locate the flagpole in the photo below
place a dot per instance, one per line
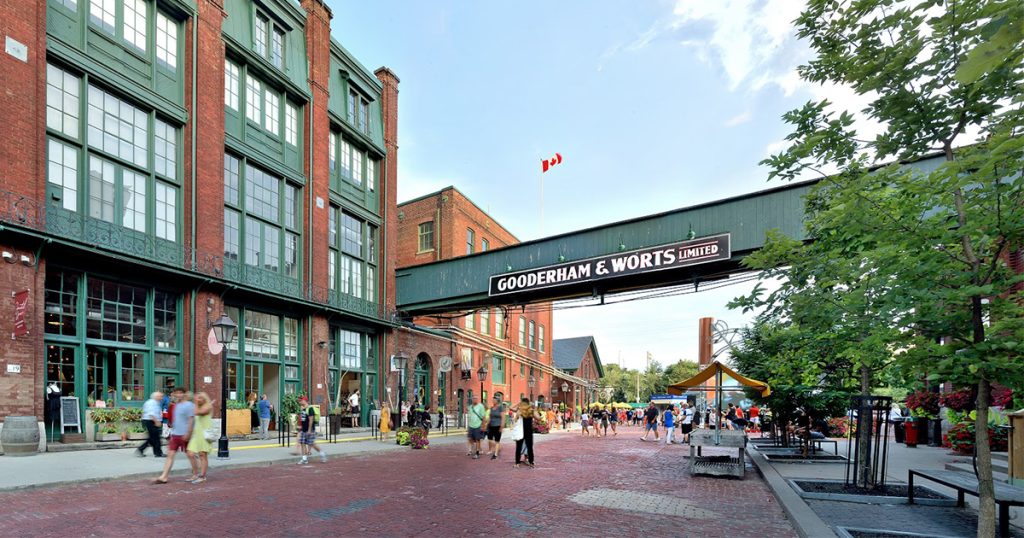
(542, 203)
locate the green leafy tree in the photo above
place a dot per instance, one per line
(932, 71)
(680, 370)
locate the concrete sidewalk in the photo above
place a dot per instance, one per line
(900, 459)
(74, 467)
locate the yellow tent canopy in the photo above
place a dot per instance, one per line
(699, 381)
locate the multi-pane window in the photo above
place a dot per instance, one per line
(62, 171)
(470, 240)
(277, 48)
(471, 321)
(522, 331)
(467, 359)
(61, 303)
(266, 217)
(165, 149)
(291, 125)
(485, 321)
(115, 312)
(484, 245)
(332, 152)
(271, 112)
(351, 268)
(131, 156)
(499, 324)
(165, 325)
(533, 341)
(268, 40)
(540, 341)
(348, 162)
(166, 41)
(371, 174)
(135, 23)
(253, 98)
(498, 369)
(70, 4)
(358, 111)
(232, 78)
(117, 127)
(426, 236)
(103, 14)
(351, 350)
(62, 91)
(166, 212)
(261, 34)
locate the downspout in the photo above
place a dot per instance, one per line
(195, 293)
(309, 244)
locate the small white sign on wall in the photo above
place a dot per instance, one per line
(207, 379)
(14, 368)
(16, 48)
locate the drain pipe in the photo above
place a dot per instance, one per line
(195, 37)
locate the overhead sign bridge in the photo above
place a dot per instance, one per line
(693, 244)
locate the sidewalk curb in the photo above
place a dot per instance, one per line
(805, 521)
(288, 460)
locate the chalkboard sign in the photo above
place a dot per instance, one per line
(69, 417)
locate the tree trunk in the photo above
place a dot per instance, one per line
(864, 429)
(986, 488)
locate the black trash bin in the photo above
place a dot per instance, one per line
(900, 429)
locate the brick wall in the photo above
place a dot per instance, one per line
(389, 211)
(23, 99)
(21, 393)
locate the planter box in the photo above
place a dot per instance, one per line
(138, 436)
(108, 437)
(239, 422)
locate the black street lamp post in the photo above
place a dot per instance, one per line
(401, 361)
(565, 389)
(481, 374)
(531, 382)
(224, 330)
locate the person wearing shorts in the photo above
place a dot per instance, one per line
(494, 427)
(651, 422)
(686, 425)
(181, 431)
(475, 421)
(307, 431)
(585, 423)
(613, 419)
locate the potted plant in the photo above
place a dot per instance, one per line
(290, 406)
(334, 420)
(418, 439)
(924, 406)
(137, 433)
(107, 424)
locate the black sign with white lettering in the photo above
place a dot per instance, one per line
(672, 256)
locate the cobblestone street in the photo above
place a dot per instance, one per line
(616, 486)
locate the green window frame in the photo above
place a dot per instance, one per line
(498, 367)
(262, 217)
(119, 165)
(352, 254)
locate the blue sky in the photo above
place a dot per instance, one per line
(654, 105)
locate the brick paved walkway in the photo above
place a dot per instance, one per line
(580, 487)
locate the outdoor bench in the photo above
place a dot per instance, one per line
(1006, 495)
(816, 445)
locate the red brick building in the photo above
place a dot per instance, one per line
(168, 161)
(512, 342)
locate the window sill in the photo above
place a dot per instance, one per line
(418, 252)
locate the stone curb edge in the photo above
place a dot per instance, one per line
(805, 521)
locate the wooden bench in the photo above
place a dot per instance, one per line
(1006, 495)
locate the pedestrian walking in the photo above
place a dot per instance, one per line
(181, 431)
(475, 421)
(307, 431)
(494, 428)
(585, 424)
(353, 405)
(670, 425)
(152, 420)
(687, 422)
(385, 421)
(263, 407)
(651, 422)
(198, 447)
(525, 412)
(613, 419)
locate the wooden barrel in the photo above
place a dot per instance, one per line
(20, 436)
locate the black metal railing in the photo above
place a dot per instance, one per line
(284, 431)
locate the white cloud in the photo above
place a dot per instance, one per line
(739, 119)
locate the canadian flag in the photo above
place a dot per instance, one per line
(548, 163)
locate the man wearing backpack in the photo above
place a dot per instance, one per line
(308, 418)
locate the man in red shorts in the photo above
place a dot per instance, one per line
(181, 432)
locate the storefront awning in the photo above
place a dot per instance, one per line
(698, 381)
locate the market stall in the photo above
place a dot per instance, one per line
(710, 379)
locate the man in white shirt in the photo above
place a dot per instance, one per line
(152, 419)
(353, 403)
(686, 422)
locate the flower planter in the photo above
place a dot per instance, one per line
(239, 422)
(138, 436)
(108, 437)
